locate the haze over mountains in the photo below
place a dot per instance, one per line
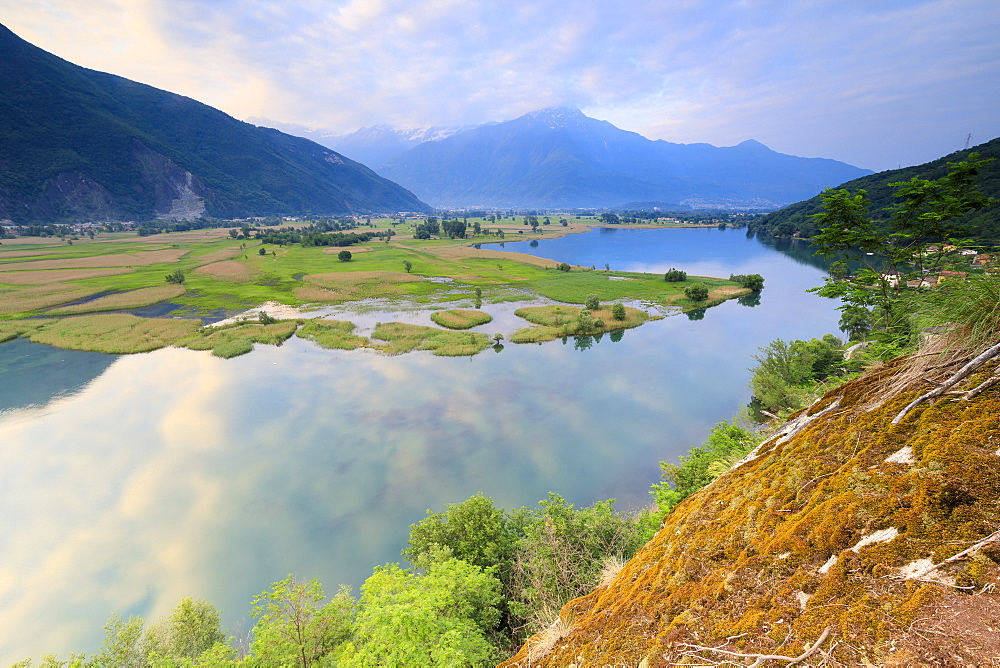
(560, 158)
(76, 144)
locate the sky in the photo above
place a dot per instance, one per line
(877, 84)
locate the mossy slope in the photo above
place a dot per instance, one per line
(745, 564)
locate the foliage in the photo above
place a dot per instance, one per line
(176, 276)
(344, 256)
(408, 266)
(928, 212)
(593, 302)
(697, 292)
(192, 629)
(618, 311)
(675, 276)
(292, 627)
(784, 369)
(969, 311)
(435, 619)
(753, 282)
(562, 266)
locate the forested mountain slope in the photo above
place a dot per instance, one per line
(76, 144)
(984, 224)
(844, 537)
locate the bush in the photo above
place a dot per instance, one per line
(675, 276)
(593, 303)
(562, 266)
(344, 256)
(784, 370)
(618, 311)
(176, 276)
(697, 292)
(753, 282)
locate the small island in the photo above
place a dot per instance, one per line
(225, 289)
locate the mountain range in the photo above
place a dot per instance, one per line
(76, 144)
(561, 158)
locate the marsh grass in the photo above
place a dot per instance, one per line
(337, 334)
(11, 329)
(558, 320)
(460, 319)
(42, 296)
(239, 338)
(116, 333)
(403, 338)
(140, 259)
(228, 270)
(56, 275)
(125, 300)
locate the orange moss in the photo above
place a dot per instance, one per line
(743, 556)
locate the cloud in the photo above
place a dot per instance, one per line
(875, 84)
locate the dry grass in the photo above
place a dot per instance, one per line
(11, 329)
(116, 333)
(612, 565)
(460, 319)
(218, 256)
(228, 270)
(140, 259)
(42, 296)
(346, 279)
(541, 645)
(55, 276)
(125, 300)
(460, 253)
(310, 293)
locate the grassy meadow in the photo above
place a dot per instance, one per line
(78, 295)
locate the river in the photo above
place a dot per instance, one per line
(129, 482)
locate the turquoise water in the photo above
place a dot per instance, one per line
(146, 478)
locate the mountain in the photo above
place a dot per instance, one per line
(558, 158)
(372, 146)
(76, 144)
(795, 220)
(845, 539)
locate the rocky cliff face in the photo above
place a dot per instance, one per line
(845, 538)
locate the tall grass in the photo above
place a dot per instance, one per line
(460, 319)
(969, 311)
(125, 300)
(117, 333)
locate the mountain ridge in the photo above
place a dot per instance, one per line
(78, 144)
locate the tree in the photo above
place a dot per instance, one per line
(344, 256)
(593, 302)
(435, 619)
(408, 266)
(562, 266)
(176, 276)
(911, 244)
(618, 311)
(293, 629)
(263, 251)
(122, 646)
(783, 369)
(192, 629)
(753, 282)
(697, 292)
(675, 276)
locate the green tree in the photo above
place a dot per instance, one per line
(192, 629)
(344, 256)
(909, 246)
(176, 276)
(696, 292)
(784, 369)
(753, 282)
(675, 276)
(440, 618)
(293, 629)
(123, 645)
(262, 251)
(593, 303)
(618, 311)
(408, 266)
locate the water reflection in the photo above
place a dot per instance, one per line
(34, 375)
(178, 474)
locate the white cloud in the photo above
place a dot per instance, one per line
(876, 85)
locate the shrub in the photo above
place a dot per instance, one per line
(618, 311)
(562, 266)
(697, 292)
(344, 256)
(675, 276)
(753, 282)
(593, 303)
(176, 276)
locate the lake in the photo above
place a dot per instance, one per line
(129, 482)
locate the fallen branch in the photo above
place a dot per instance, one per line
(992, 538)
(951, 382)
(792, 660)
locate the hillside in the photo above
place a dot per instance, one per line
(79, 144)
(823, 542)
(560, 158)
(795, 219)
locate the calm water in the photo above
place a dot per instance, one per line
(129, 482)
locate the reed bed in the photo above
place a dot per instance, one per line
(557, 320)
(403, 338)
(239, 338)
(228, 270)
(460, 319)
(55, 276)
(116, 333)
(140, 259)
(41, 297)
(338, 334)
(122, 301)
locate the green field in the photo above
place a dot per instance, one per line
(52, 291)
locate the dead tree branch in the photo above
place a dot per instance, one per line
(951, 382)
(760, 658)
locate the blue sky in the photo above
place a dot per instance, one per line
(876, 83)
